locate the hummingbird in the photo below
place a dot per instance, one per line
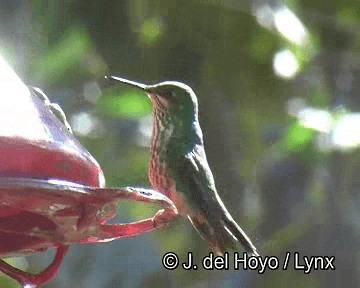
(179, 168)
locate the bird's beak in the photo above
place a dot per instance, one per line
(147, 89)
(128, 82)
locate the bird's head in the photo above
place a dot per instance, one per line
(176, 98)
(175, 110)
(172, 99)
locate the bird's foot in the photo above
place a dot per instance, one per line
(163, 217)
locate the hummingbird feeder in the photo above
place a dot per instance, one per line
(52, 191)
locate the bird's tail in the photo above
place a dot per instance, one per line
(222, 233)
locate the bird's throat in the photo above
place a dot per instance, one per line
(162, 135)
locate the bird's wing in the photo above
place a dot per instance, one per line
(194, 179)
(195, 182)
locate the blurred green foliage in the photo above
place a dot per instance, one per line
(297, 136)
(151, 30)
(63, 57)
(129, 104)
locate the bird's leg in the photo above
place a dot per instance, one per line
(28, 280)
(163, 217)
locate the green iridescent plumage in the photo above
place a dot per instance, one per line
(179, 167)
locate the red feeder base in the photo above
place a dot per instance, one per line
(51, 189)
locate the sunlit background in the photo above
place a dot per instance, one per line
(278, 88)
